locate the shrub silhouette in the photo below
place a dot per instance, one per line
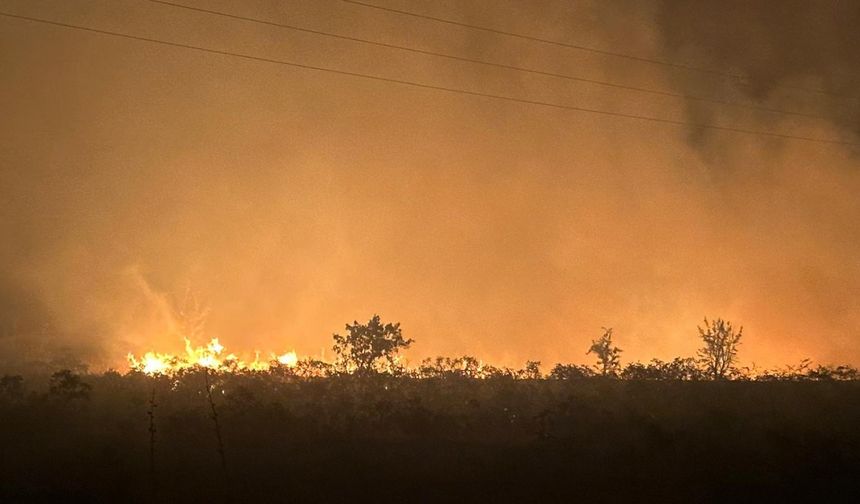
(720, 349)
(834, 373)
(677, 369)
(639, 371)
(448, 367)
(570, 372)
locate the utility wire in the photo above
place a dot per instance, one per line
(430, 86)
(493, 64)
(738, 78)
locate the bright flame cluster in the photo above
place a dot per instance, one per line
(210, 356)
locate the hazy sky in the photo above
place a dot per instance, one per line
(293, 201)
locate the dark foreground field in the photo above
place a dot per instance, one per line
(398, 439)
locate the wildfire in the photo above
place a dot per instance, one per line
(211, 356)
(289, 359)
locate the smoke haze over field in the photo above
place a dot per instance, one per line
(293, 201)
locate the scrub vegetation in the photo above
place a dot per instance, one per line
(366, 428)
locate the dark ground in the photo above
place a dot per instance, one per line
(387, 439)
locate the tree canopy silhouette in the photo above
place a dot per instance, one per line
(366, 346)
(67, 385)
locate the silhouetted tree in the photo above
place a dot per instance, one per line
(719, 353)
(608, 356)
(68, 385)
(365, 345)
(531, 371)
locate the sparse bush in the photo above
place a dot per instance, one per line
(498, 373)
(677, 369)
(447, 367)
(719, 353)
(639, 371)
(311, 368)
(835, 373)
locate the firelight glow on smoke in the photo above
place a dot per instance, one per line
(295, 201)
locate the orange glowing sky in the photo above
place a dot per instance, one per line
(294, 201)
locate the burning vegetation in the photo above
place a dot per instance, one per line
(374, 348)
(211, 356)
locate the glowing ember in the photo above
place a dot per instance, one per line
(210, 356)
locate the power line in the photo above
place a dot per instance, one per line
(542, 40)
(738, 78)
(430, 86)
(492, 64)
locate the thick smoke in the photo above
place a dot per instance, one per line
(792, 55)
(294, 201)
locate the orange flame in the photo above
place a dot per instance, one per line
(210, 356)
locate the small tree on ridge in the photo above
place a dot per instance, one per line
(365, 345)
(720, 351)
(608, 356)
